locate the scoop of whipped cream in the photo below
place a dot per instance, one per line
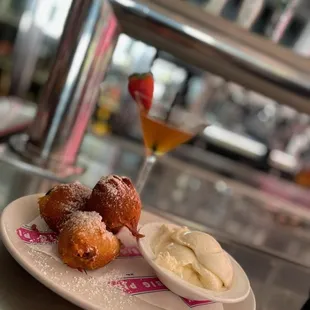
(194, 256)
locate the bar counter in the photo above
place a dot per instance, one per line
(275, 256)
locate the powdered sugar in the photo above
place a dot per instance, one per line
(87, 221)
(76, 194)
(112, 184)
(88, 286)
(117, 187)
(111, 296)
(77, 190)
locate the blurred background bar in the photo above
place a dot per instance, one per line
(217, 46)
(244, 65)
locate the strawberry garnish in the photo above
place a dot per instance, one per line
(141, 88)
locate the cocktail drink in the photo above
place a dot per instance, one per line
(163, 128)
(160, 137)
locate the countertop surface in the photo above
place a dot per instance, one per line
(274, 250)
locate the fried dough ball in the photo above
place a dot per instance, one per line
(118, 202)
(59, 202)
(84, 242)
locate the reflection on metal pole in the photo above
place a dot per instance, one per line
(72, 89)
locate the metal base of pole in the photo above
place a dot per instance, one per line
(30, 160)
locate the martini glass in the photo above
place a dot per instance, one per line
(164, 128)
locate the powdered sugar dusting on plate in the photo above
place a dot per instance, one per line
(97, 289)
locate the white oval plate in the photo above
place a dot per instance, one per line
(239, 290)
(24, 210)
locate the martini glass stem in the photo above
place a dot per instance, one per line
(144, 172)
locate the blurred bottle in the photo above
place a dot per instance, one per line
(302, 177)
(299, 147)
(281, 19)
(302, 46)
(215, 6)
(249, 12)
(108, 104)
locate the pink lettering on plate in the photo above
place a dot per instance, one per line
(196, 303)
(35, 236)
(131, 251)
(135, 286)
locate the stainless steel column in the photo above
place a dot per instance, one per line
(71, 91)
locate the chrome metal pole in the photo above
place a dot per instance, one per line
(72, 89)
